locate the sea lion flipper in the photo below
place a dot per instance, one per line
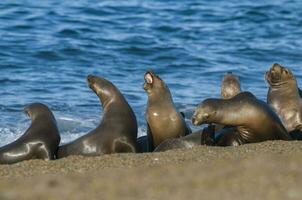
(189, 130)
(208, 135)
(182, 114)
(121, 145)
(150, 139)
(300, 92)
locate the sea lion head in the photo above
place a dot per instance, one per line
(154, 84)
(205, 112)
(103, 88)
(279, 75)
(37, 109)
(230, 86)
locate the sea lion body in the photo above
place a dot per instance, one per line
(254, 120)
(163, 120)
(40, 140)
(117, 131)
(284, 97)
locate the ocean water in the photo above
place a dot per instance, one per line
(49, 47)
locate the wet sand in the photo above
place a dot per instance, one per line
(269, 170)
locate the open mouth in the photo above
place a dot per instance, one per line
(149, 78)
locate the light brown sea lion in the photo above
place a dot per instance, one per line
(230, 85)
(163, 120)
(284, 97)
(254, 120)
(117, 131)
(40, 140)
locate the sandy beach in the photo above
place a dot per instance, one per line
(269, 170)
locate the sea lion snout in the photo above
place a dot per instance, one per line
(149, 80)
(274, 74)
(194, 121)
(90, 79)
(276, 67)
(199, 118)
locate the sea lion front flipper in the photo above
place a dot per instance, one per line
(182, 114)
(300, 92)
(208, 135)
(189, 130)
(150, 139)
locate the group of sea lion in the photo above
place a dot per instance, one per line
(234, 119)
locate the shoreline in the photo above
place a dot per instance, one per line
(267, 170)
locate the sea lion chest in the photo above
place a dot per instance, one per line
(164, 124)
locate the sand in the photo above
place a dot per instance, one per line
(268, 170)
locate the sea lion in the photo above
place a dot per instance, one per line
(284, 97)
(254, 120)
(40, 140)
(201, 137)
(117, 131)
(230, 85)
(163, 119)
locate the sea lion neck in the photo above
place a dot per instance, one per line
(289, 86)
(161, 96)
(37, 111)
(114, 97)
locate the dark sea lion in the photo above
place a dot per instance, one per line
(163, 119)
(40, 140)
(230, 85)
(254, 120)
(205, 136)
(284, 97)
(117, 131)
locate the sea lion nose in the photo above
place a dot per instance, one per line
(194, 120)
(90, 78)
(275, 67)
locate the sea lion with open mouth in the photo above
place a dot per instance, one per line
(163, 120)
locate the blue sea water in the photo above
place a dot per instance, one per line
(47, 48)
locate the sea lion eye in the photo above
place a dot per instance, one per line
(205, 116)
